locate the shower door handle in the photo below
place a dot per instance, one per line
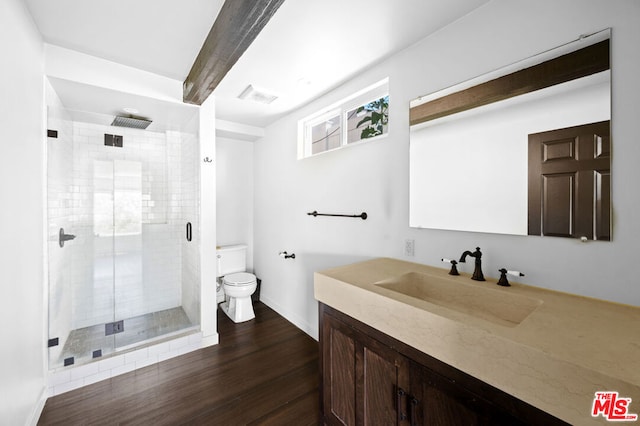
(189, 233)
(62, 237)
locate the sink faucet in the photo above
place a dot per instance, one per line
(477, 272)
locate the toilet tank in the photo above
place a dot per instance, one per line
(231, 259)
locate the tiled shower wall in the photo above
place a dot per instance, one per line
(142, 256)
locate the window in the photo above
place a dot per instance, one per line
(325, 132)
(362, 116)
(117, 198)
(368, 120)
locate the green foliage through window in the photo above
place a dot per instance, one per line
(377, 116)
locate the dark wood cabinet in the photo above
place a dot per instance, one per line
(369, 378)
(363, 379)
(443, 401)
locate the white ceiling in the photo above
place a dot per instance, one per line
(160, 36)
(91, 104)
(308, 47)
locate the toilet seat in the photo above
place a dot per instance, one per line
(239, 279)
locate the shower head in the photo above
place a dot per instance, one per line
(131, 121)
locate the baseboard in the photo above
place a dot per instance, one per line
(292, 318)
(37, 410)
(211, 340)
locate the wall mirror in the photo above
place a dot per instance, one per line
(523, 150)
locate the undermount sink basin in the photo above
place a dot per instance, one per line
(499, 307)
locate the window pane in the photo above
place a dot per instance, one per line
(117, 205)
(127, 197)
(368, 120)
(326, 135)
(103, 198)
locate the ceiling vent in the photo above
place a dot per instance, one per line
(131, 122)
(257, 95)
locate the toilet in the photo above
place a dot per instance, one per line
(238, 285)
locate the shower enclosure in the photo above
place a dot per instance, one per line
(123, 259)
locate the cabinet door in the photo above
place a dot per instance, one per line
(338, 372)
(369, 378)
(440, 401)
(364, 381)
(384, 383)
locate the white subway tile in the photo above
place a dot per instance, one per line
(189, 348)
(59, 377)
(159, 349)
(178, 343)
(132, 357)
(98, 377)
(122, 370)
(69, 386)
(168, 355)
(147, 361)
(78, 373)
(109, 363)
(195, 339)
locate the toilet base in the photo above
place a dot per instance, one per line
(238, 309)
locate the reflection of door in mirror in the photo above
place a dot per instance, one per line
(468, 150)
(569, 172)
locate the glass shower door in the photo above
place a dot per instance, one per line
(81, 270)
(128, 252)
(107, 250)
(129, 276)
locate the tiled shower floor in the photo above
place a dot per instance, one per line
(82, 342)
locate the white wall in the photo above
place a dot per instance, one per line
(374, 177)
(234, 194)
(22, 156)
(207, 228)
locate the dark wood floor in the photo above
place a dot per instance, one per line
(263, 371)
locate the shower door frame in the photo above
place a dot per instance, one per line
(125, 241)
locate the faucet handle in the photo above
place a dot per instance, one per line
(503, 276)
(454, 269)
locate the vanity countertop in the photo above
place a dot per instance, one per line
(567, 349)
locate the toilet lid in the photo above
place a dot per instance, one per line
(240, 278)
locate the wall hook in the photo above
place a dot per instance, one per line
(207, 160)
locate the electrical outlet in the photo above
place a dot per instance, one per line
(409, 248)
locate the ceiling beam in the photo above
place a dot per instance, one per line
(580, 63)
(237, 25)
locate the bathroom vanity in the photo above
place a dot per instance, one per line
(403, 343)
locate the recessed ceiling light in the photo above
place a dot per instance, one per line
(130, 110)
(257, 95)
